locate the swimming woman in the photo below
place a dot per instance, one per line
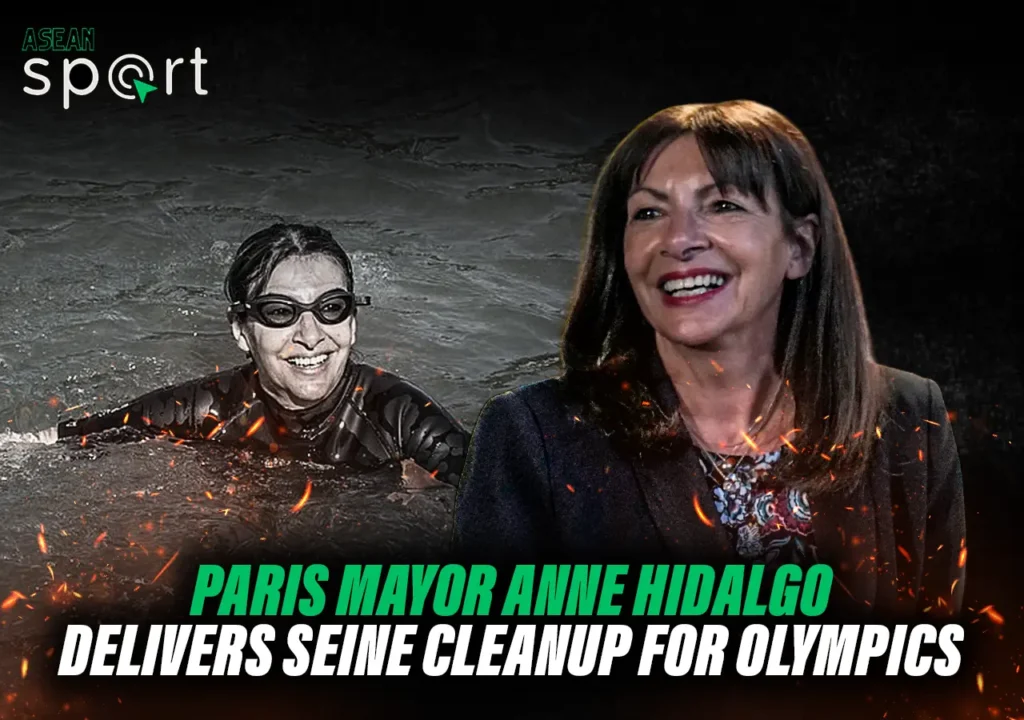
(293, 312)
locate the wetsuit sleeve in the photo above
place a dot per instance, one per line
(182, 411)
(504, 507)
(946, 527)
(421, 430)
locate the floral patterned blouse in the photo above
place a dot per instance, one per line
(767, 523)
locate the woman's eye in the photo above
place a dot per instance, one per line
(278, 312)
(646, 213)
(720, 206)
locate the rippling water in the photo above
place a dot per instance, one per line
(115, 233)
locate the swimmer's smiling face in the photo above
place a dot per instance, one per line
(301, 364)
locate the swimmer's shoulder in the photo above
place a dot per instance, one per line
(376, 389)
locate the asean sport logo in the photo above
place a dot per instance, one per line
(129, 77)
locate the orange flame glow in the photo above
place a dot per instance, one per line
(255, 426)
(166, 565)
(700, 513)
(305, 497)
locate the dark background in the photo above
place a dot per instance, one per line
(914, 118)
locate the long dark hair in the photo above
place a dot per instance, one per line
(823, 346)
(264, 250)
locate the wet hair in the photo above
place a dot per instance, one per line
(260, 253)
(823, 346)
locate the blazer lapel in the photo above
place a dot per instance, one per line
(679, 502)
(674, 488)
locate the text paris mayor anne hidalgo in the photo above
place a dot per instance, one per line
(433, 648)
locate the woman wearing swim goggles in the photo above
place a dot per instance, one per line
(279, 311)
(293, 312)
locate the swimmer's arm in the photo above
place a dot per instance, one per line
(129, 415)
(175, 411)
(428, 435)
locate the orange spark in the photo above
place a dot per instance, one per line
(857, 434)
(429, 403)
(571, 488)
(747, 439)
(83, 441)
(992, 614)
(24, 668)
(41, 539)
(54, 401)
(255, 426)
(981, 683)
(12, 600)
(718, 368)
(953, 586)
(208, 494)
(99, 539)
(903, 552)
(878, 431)
(920, 455)
(305, 497)
(951, 415)
(963, 558)
(216, 430)
(700, 512)
(788, 444)
(826, 457)
(166, 565)
(125, 420)
(931, 422)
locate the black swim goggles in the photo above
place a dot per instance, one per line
(279, 311)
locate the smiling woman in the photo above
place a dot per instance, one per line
(719, 398)
(293, 312)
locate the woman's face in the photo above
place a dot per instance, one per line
(301, 364)
(708, 267)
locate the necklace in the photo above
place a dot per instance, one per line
(716, 460)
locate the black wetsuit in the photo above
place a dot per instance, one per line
(372, 418)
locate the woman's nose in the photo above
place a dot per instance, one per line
(683, 236)
(308, 331)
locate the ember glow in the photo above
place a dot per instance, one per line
(747, 439)
(992, 614)
(166, 565)
(700, 513)
(305, 497)
(255, 426)
(12, 600)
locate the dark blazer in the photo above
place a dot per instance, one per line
(539, 479)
